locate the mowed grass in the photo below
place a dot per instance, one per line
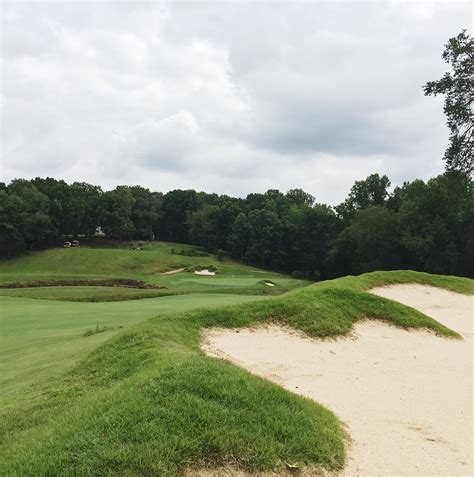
(147, 265)
(41, 339)
(147, 401)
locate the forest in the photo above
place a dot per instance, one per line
(424, 226)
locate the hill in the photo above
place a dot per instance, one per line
(152, 263)
(148, 401)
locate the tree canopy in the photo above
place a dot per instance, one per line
(458, 88)
(426, 226)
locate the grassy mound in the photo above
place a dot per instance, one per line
(148, 402)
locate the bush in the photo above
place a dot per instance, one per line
(298, 275)
(220, 255)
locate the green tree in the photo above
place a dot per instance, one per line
(36, 224)
(203, 227)
(300, 197)
(240, 236)
(146, 212)
(371, 191)
(458, 88)
(436, 220)
(12, 222)
(371, 242)
(177, 206)
(115, 213)
(308, 236)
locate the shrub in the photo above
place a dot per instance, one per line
(297, 274)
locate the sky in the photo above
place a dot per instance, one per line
(226, 97)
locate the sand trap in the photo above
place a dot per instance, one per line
(452, 309)
(269, 284)
(406, 396)
(204, 272)
(172, 272)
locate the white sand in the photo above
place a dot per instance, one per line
(269, 284)
(406, 396)
(172, 272)
(205, 272)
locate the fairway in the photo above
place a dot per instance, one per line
(41, 339)
(45, 330)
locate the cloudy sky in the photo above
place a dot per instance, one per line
(226, 97)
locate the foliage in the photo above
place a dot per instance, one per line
(423, 226)
(458, 87)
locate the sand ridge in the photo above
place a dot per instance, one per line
(405, 396)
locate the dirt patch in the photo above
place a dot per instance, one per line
(113, 282)
(406, 396)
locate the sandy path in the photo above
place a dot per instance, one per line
(406, 396)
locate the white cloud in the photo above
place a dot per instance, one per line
(225, 97)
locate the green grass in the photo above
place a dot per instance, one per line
(103, 263)
(145, 400)
(39, 340)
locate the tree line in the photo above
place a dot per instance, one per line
(427, 226)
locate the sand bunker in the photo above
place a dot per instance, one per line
(205, 272)
(406, 396)
(172, 272)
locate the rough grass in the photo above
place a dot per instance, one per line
(148, 402)
(88, 294)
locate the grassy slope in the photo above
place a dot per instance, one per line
(146, 265)
(149, 402)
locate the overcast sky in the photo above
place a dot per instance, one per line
(226, 97)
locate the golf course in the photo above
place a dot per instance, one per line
(236, 239)
(114, 379)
